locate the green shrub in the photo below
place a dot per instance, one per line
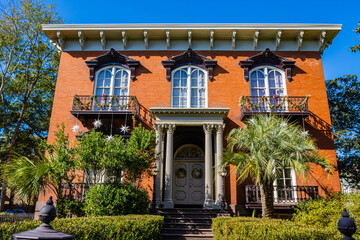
(326, 212)
(111, 199)
(130, 227)
(269, 229)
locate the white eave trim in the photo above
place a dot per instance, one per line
(204, 26)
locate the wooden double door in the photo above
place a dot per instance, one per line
(189, 187)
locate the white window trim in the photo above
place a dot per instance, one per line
(189, 84)
(267, 67)
(112, 79)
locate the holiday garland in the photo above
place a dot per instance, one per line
(268, 101)
(113, 101)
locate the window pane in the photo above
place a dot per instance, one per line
(287, 173)
(288, 182)
(176, 82)
(124, 92)
(176, 92)
(125, 79)
(194, 92)
(278, 80)
(183, 82)
(183, 92)
(99, 91)
(117, 91)
(176, 102)
(194, 102)
(271, 77)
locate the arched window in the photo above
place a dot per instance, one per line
(267, 81)
(112, 81)
(189, 88)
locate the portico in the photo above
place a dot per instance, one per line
(206, 187)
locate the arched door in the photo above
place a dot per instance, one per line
(189, 175)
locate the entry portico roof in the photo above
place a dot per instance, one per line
(240, 37)
(189, 116)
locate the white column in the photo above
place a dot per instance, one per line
(162, 169)
(219, 156)
(169, 166)
(158, 130)
(208, 203)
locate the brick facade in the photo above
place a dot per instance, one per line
(152, 90)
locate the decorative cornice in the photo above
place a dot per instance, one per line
(267, 57)
(189, 57)
(112, 57)
(181, 111)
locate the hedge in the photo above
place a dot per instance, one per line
(114, 227)
(269, 229)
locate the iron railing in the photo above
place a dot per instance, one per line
(104, 103)
(77, 191)
(16, 217)
(275, 104)
(282, 195)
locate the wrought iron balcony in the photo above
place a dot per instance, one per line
(289, 196)
(282, 105)
(90, 106)
(77, 191)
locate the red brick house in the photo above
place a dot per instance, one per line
(184, 81)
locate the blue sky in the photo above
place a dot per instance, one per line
(338, 60)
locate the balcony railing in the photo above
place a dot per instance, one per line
(104, 103)
(77, 190)
(282, 195)
(88, 106)
(276, 104)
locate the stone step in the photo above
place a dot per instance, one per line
(168, 236)
(187, 231)
(187, 220)
(188, 225)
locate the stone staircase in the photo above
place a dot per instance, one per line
(188, 223)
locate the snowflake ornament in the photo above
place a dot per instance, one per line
(75, 128)
(252, 121)
(109, 138)
(97, 123)
(304, 133)
(125, 129)
(283, 124)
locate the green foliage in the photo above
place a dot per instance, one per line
(357, 47)
(92, 154)
(28, 70)
(267, 229)
(324, 213)
(267, 145)
(111, 199)
(97, 156)
(140, 153)
(27, 177)
(130, 227)
(344, 103)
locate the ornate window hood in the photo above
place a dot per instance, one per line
(112, 57)
(189, 57)
(222, 37)
(267, 57)
(189, 116)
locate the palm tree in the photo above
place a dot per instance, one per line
(264, 148)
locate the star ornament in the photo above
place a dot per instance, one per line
(125, 129)
(283, 124)
(109, 138)
(97, 123)
(304, 133)
(75, 128)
